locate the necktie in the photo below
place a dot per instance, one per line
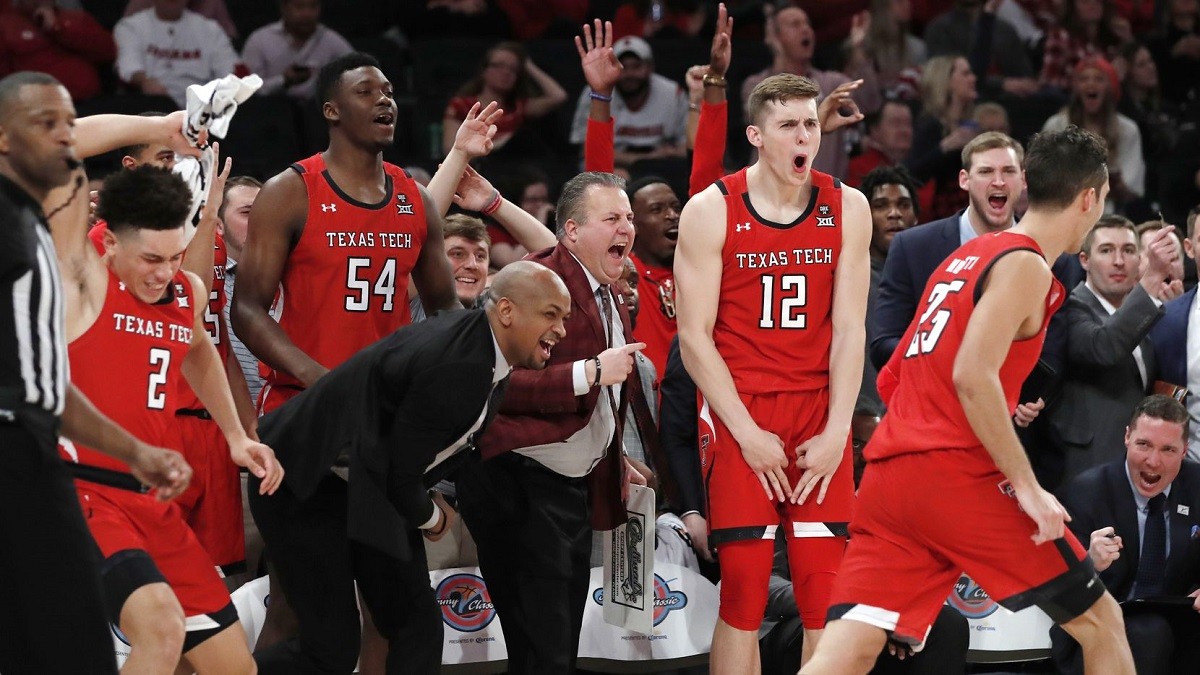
(493, 406)
(606, 312)
(1153, 561)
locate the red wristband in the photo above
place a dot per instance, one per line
(494, 206)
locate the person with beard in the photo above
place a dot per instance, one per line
(649, 111)
(287, 53)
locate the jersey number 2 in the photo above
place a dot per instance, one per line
(156, 390)
(358, 279)
(935, 316)
(793, 294)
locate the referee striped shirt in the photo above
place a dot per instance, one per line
(33, 349)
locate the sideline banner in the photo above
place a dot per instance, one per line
(996, 633)
(629, 565)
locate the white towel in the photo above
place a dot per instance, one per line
(210, 106)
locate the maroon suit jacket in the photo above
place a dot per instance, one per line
(540, 406)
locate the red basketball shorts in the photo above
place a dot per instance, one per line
(122, 521)
(743, 521)
(923, 519)
(212, 504)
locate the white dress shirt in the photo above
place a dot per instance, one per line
(1193, 380)
(579, 454)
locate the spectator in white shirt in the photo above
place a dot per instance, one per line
(161, 50)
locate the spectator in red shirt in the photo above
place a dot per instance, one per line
(888, 140)
(509, 77)
(68, 44)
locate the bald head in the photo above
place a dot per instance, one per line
(526, 306)
(525, 282)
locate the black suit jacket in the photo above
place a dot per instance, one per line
(389, 409)
(1103, 497)
(1101, 382)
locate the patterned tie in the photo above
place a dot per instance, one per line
(1153, 561)
(606, 310)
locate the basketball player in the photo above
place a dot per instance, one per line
(336, 236)
(136, 330)
(951, 388)
(772, 272)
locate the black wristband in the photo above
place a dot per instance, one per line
(596, 382)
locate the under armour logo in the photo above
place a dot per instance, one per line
(182, 300)
(741, 227)
(326, 208)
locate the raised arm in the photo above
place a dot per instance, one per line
(601, 69)
(553, 95)
(472, 139)
(205, 373)
(1014, 293)
(432, 274)
(698, 270)
(199, 256)
(820, 456)
(276, 223)
(475, 193)
(97, 134)
(712, 118)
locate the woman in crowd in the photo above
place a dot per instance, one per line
(510, 78)
(945, 126)
(1088, 28)
(1095, 91)
(897, 54)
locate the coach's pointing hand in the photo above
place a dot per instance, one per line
(1104, 548)
(615, 364)
(763, 451)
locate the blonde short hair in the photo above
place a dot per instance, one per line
(779, 89)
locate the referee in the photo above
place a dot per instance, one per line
(54, 619)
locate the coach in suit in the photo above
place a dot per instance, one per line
(1141, 517)
(553, 457)
(403, 412)
(1110, 364)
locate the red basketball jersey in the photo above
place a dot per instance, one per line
(345, 284)
(214, 320)
(917, 383)
(129, 364)
(655, 323)
(773, 325)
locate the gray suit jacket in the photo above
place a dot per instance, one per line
(1101, 384)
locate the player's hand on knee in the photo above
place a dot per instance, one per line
(1044, 509)
(763, 451)
(819, 458)
(164, 470)
(1104, 548)
(260, 460)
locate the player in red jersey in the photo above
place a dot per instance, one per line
(772, 273)
(136, 328)
(951, 389)
(212, 504)
(337, 236)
